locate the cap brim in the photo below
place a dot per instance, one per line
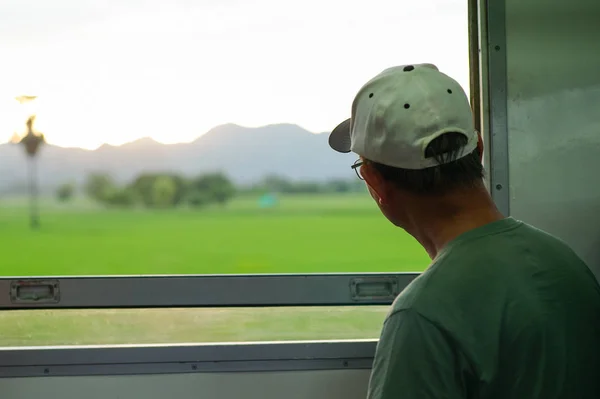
(339, 139)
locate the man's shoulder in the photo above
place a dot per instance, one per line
(500, 264)
(416, 294)
(480, 264)
(443, 277)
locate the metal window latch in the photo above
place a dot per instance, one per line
(35, 291)
(380, 288)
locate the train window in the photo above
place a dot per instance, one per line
(188, 138)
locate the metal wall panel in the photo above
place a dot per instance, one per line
(338, 384)
(553, 108)
(278, 370)
(173, 359)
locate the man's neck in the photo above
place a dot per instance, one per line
(435, 223)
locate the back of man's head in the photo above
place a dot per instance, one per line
(449, 176)
(413, 128)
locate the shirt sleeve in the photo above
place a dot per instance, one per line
(414, 360)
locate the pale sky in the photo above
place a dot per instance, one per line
(112, 71)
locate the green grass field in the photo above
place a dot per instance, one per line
(314, 234)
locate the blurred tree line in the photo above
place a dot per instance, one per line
(160, 190)
(168, 190)
(281, 185)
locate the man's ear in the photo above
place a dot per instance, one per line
(480, 146)
(374, 182)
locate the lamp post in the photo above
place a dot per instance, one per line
(31, 142)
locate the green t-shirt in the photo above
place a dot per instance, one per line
(505, 311)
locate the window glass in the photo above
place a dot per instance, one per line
(190, 136)
(169, 326)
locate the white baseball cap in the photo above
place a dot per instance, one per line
(400, 111)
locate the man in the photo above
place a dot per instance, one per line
(504, 310)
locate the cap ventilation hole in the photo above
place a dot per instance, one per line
(449, 91)
(371, 95)
(408, 68)
(407, 106)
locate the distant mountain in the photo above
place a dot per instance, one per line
(245, 154)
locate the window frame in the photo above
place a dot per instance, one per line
(489, 93)
(341, 289)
